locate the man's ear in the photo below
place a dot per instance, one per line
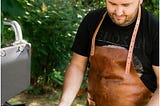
(141, 1)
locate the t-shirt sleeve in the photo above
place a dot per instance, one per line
(155, 44)
(155, 51)
(83, 39)
(81, 43)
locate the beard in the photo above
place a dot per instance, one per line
(124, 19)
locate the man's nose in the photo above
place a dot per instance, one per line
(119, 11)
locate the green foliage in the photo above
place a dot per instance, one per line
(152, 6)
(50, 29)
(57, 77)
(12, 8)
(50, 26)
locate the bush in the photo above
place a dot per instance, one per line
(50, 28)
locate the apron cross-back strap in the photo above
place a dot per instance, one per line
(131, 47)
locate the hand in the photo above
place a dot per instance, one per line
(63, 103)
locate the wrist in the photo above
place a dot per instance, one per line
(63, 103)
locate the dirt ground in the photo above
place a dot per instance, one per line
(50, 99)
(33, 100)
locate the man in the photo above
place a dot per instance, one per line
(121, 43)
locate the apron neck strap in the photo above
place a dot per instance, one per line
(131, 47)
(94, 35)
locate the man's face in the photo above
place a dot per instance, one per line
(123, 12)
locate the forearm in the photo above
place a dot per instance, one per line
(155, 99)
(72, 83)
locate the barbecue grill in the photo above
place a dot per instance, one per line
(15, 65)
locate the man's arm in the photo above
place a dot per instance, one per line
(155, 98)
(73, 79)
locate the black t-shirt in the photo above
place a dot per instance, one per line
(146, 46)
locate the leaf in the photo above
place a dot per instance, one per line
(12, 8)
(44, 7)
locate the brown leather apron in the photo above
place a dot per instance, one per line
(112, 78)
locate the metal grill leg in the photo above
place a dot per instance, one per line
(7, 104)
